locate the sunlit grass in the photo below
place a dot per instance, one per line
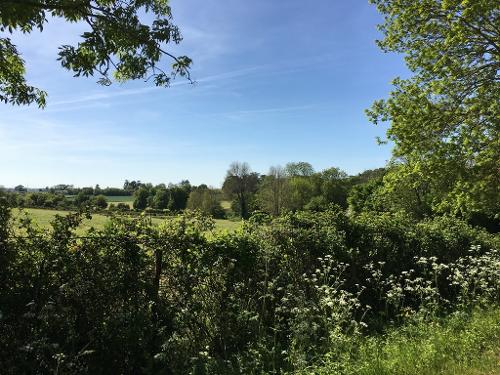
(225, 205)
(457, 345)
(43, 218)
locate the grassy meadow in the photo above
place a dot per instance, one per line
(127, 199)
(43, 218)
(119, 198)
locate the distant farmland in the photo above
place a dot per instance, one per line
(43, 218)
(114, 199)
(119, 198)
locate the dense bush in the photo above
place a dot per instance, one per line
(120, 206)
(273, 297)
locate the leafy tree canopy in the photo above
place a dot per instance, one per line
(445, 120)
(300, 168)
(240, 183)
(118, 45)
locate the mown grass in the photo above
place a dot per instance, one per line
(43, 218)
(460, 344)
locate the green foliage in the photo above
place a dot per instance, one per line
(161, 199)
(114, 192)
(100, 202)
(272, 297)
(20, 188)
(13, 86)
(300, 168)
(117, 45)
(179, 197)
(141, 198)
(333, 186)
(444, 120)
(300, 190)
(82, 199)
(240, 185)
(131, 186)
(120, 206)
(273, 190)
(366, 196)
(298, 187)
(207, 201)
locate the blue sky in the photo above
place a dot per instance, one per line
(278, 81)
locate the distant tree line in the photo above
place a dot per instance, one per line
(87, 190)
(173, 196)
(295, 187)
(56, 201)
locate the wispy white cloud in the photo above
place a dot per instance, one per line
(100, 98)
(246, 113)
(276, 68)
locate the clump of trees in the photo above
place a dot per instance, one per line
(56, 201)
(162, 197)
(206, 200)
(240, 185)
(295, 187)
(292, 188)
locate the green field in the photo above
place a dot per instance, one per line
(120, 198)
(115, 199)
(43, 218)
(226, 205)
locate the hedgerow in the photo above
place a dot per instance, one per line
(276, 296)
